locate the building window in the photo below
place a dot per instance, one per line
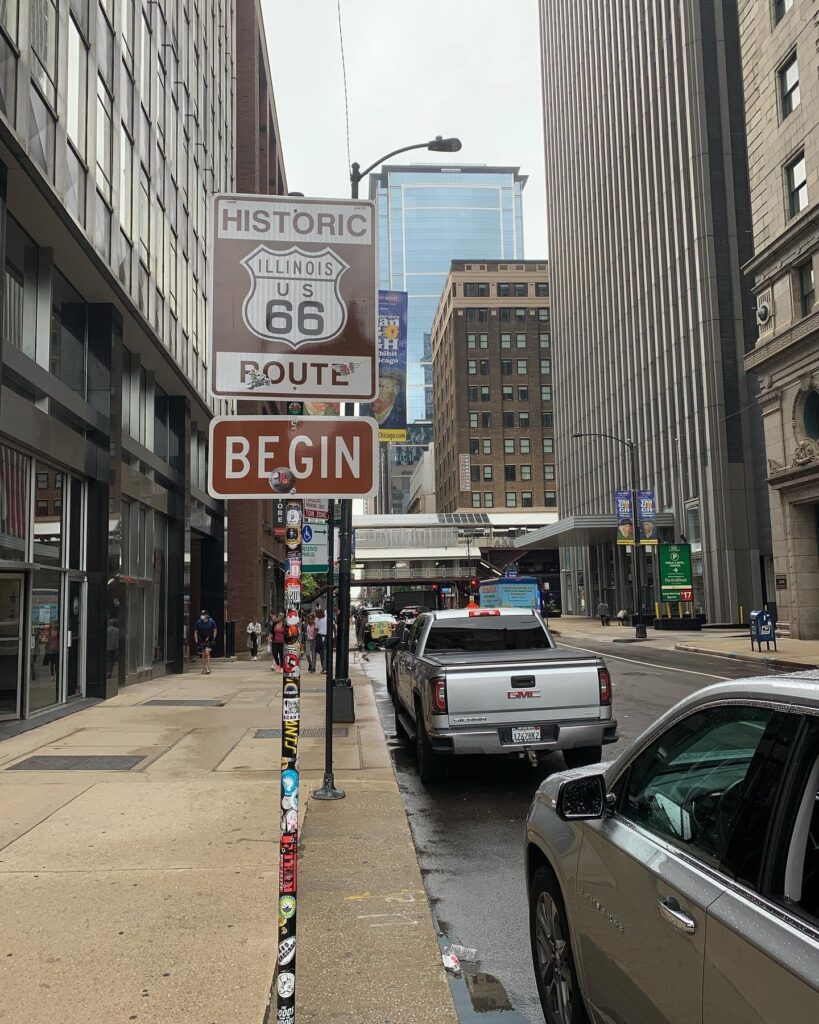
(472, 366)
(42, 481)
(505, 315)
(511, 499)
(487, 446)
(781, 8)
(546, 392)
(546, 340)
(523, 367)
(483, 316)
(520, 316)
(510, 473)
(542, 289)
(473, 421)
(525, 445)
(545, 366)
(526, 499)
(484, 394)
(470, 341)
(520, 341)
(41, 507)
(43, 27)
(484, 341)
(548, 471)
(77, 94)
(509, 445)
(504, 290)
(789, 86)
(810, 415)
(523, 393)
(521, 288)
(488, 499)
(523, 420)
(509, 419)
(507, 392)
(474, 474)
(471, 314)
(547, 420)
(506, 341)
(796, 176)
(476, 499)
(484, 367)
(550, 499)
(473, 392)
(543, 314)
(67, 357)
(506, 369)
(486, 420)
(474, 446)
(526, 472)
(548, 445)
(475, 288)
(807, 290)
(487, 472)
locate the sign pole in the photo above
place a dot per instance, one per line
(328, 790)
(289, 787)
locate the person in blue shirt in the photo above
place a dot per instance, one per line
(205, 633)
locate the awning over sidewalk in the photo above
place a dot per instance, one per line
(581, 531)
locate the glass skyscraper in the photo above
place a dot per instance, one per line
(429, 215)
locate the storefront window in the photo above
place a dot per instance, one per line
(48, 547)
(46, 642)
(14, 476)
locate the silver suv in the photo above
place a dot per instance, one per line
(680, 883)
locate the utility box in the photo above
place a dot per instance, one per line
(763, 630)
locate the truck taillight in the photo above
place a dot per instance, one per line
(439, 696)
(605, 685)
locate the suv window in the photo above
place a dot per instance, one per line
(415, 632)
(709, 784)
(488, 633)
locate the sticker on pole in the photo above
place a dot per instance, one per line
(294, 310)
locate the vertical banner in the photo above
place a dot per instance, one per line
(625, 525)
(389, 408)
(464, 473)
(289, 791)
(647, 517)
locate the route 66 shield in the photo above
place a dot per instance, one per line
(294, 295)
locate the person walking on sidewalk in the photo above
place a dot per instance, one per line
(321, 637)
(254, 632)
(603, 613)
(204, 633)
(277, 647)
(310, 635)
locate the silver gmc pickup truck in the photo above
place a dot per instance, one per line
(491, 681)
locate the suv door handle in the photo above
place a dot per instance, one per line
(671, 911)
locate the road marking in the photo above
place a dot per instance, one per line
(647, 664)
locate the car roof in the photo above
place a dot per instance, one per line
(792, 688)
(383, 617)
(465, 613)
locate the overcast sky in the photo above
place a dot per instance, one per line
(415, 69)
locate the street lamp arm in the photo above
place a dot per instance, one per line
(612, 437)
(359, 175)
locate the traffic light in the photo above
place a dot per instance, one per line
(473, 584)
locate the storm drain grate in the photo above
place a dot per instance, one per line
(184, 703)
(311, 734)
(78, 763)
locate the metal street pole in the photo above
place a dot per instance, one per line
(636, 576)
(328, 790)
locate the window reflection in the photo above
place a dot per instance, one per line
(48, 515)
(44, 689)
(14, 470)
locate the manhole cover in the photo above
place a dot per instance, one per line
(184, 703)
(311, 734)
(78, 763)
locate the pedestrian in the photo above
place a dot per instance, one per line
(603, 613)
(321, 637)
(277, 647)
(111, 647)
(254, 632)
(621, 616)
(269, 625)
(204, 633)
(310, 635)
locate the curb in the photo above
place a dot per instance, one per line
(778, 663)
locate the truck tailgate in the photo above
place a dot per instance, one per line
(550, 689)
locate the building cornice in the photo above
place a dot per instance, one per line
(796, 335)
(775, 256)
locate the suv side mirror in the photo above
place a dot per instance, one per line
(582, 799)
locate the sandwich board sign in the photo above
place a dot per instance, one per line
(294, 298)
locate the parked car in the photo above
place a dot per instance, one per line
(681, 882)
(377, 629)
(361, 618)
(410, 613)
(391, 649)
(491, 681)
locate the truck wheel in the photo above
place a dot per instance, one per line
(578, 757)
(432, 767)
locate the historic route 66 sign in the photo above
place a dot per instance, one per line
(294, 308)
(294, 295)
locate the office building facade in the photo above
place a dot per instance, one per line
(116, 125)
(649, 227)
(492, 373)
(779, 45)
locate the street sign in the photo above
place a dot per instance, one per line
(314, 547)
(302, 457)
(316, 508)
(675, 572)
(294, 295)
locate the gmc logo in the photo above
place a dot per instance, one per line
(522, 694)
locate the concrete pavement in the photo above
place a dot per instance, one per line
(150, 894)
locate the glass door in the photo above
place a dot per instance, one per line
(75, 636)
(11, 643)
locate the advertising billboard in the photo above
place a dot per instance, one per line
(389, 409)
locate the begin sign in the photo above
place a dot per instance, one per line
(303, 457)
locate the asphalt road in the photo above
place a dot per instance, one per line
(469, 831)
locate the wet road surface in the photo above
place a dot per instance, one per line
(468, 831)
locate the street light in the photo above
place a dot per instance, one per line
(636, 582)
(345, 555)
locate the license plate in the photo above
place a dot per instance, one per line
(526, 734)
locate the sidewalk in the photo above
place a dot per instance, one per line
(150, 894)
(728, 643)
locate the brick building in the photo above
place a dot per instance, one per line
(492, 378)
(255, 554)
